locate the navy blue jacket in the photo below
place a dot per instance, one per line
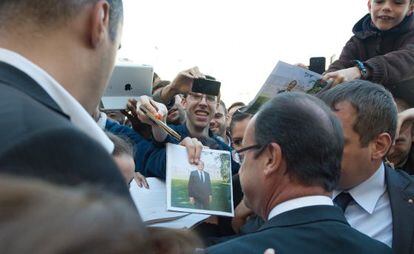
(311, 230)
(154, 158)
(141, 145)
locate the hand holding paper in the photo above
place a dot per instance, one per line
(194, 148)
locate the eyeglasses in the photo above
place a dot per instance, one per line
(199, 96)
(239, 159)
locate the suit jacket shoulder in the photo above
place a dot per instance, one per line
(39, 140)
(313, 230)
(400, 188)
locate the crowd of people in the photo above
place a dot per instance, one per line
(324, 173)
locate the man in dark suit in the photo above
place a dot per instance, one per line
(55, 60)
(376, 199)
(292, 157)
(199, 187)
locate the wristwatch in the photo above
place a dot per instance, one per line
(361, 67)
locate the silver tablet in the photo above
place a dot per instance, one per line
(127, 81)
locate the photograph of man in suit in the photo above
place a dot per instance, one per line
(199, 188)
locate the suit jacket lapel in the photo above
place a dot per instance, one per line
(19, 80)
(401, 194)
(306, 215)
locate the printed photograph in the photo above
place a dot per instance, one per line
(202, 188)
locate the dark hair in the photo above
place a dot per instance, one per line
(238, 117)
(54, 12)
(236, 104)
(375, 108)
(309, 135)
(122, 145)
(40, 217)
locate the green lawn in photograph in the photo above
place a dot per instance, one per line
(221, 195)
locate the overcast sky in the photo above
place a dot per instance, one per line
(238, 42)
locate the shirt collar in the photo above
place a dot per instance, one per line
(299, 203)
(102, 120)
(367, 193)
(69, 105)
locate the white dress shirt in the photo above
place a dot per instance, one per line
(102, 120)
(370, 212)
(69, 105)
(299, 203)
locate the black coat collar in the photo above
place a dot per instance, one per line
(19, 80)
(401, 193)
(305, 215)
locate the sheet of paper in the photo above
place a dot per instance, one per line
(186, 222)
(152, 203)
(284, 78)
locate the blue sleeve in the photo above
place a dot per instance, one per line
(154, 162)
(122, 130)
(141, 145)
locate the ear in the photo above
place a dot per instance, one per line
(99, 25)
(184, 102)
(369, 6)
(380, 146)
(273, 161)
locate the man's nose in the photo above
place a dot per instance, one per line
(203, 100)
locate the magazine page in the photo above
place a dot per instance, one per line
(286, 78)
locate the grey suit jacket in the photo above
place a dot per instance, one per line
(38, 140)
(198, 189)
(400, 188)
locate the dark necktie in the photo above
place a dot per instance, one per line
(342, 200)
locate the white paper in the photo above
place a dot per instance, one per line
(186, 222)
(152, 203)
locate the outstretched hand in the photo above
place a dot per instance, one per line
(338, 77)
(183, 82)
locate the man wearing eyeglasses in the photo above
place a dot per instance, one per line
(199, 109)
(292, 159)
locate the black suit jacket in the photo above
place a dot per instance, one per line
(196, 188)
(314, 229)
(400, 188)
(38, 140)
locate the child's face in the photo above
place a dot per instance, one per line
(386, 14)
